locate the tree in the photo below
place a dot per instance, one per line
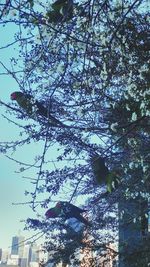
(92, 74)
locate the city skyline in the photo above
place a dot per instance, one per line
(22, 253)
(12, 191)
(26, 239)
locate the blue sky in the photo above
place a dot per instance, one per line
(12, 185)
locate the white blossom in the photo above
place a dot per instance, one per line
(134, 116)
(125, 170)
(113, 126)
(127, 107)
(142, 161)
(123, 39)
(145, 168)
(121, 214)
(147, 112)
(131, 165)
(142, 105)
(144, 68)
(103, 40)
(79, 21)
(93, 91)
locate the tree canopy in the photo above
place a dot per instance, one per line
(88, 63)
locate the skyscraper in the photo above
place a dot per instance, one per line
(17, 246)
(14, 247)
(26, 254)
(34, 256)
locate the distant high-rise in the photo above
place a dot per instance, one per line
(0, 254)
(14, 247)
(34, 255)
(17, 246)
(26, 254)
(4, 257)
(21, 246)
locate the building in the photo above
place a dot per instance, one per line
(34, 253)
(17, 249)
(26, 256)
(14, 247)
(17, 246)
(31, 255)
(5, 256)
(0, 254)
(13, 260)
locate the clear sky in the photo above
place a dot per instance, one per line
(12, 185)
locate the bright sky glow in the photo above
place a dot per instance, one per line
(12, 185)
